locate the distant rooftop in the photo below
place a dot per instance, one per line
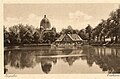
(74, 37)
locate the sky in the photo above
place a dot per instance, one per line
(60, 15)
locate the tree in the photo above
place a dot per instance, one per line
(82, 34)
(75, 31)
(89, 31)
(101, 30)
(115, 16)
(26, 34)
(48, 37)
(109, 28)
(6, 37)
(36, 37)
(14, 35)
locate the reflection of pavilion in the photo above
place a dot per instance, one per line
(70, 60)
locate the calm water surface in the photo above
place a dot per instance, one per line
(46, 60)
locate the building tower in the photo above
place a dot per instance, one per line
(45, 24)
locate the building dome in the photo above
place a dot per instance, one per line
(45, 23)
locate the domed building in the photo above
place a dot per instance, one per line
(46, 31)
(45, 24)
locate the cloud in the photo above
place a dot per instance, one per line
(80, 20)
(79, 16)
(31, 19)
(34, 20)
(77, 20)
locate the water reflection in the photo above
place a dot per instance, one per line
(46, 63)
(108, 59)
(70, 60)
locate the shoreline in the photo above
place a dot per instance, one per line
(45, 46)
(107, 45)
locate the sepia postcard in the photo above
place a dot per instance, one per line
(60, 39)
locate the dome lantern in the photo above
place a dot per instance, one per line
(44, 16)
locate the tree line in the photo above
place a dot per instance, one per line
(109, 28)
(27, 34)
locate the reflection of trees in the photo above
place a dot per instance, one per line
(14, 59)
(67, 51)
(6, 60)
(108, 59)
(89, 51)
(46, 51)
(50, 52)
(5, 70)
(6, 56)
(28, 59)
(20, 59)
(70, 60)
(46, 63)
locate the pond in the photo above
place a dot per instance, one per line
(46, 60)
